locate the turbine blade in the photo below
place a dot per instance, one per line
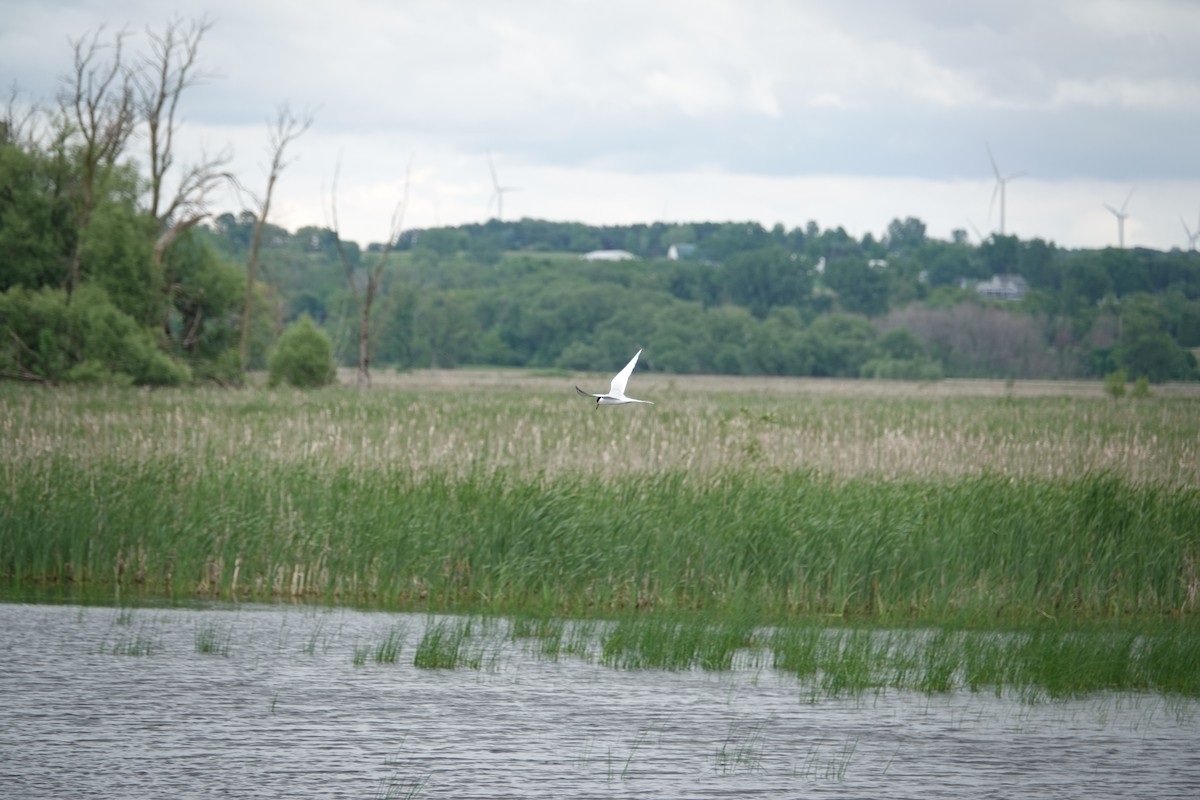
(1127, 198)
(492, 167)
(992, 159)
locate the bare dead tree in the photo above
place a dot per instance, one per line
(20, 126)
(97, 101)
(286, 129)
(366, 297)
(164, 74)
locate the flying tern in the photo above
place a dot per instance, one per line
(616, 392)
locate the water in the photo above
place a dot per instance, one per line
(102, 702)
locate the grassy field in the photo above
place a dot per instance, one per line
(961, 504)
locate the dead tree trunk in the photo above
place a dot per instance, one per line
(285, 130)
(97, 102)
(164, 75)
(366, 297)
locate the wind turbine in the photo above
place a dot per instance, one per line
(1001, 182)
(1121, 217)
(498, 191)
(1192, 236)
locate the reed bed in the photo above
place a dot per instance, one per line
(991, 547)
(962, 505)
(524, 429)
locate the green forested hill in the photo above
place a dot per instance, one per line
(743, 299)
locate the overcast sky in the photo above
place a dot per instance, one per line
(847, 113)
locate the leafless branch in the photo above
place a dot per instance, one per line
(285, 130)
(367, 300)
(97, 100)
(164, 74)
(19, 126)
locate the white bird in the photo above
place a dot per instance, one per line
(616, 392)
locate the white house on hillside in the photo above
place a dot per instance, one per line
(681, 252)
(1003, 287)
(608, 255)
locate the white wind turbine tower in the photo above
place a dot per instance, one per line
(1121, 217)
(498, 191)
(1001, 182)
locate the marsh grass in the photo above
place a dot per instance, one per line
(622, 768)
(360, 654)
(213, 639)
(547, 634)
(145, 641)
(988, 548)
(401, 787)
(952, 506)
(387, 649)
(454, 643)
(741, 751)
(827, 763)
(1046, 662)
(673, 643)
(317, 636)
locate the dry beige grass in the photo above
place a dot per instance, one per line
(525, 424)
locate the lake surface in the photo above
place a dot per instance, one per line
(269, 702)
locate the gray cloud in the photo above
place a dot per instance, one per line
(1066, 91)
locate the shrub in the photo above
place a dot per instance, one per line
(1114, 383)
(80, 338)
(303, 357)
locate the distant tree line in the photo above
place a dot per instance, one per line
(748, 300)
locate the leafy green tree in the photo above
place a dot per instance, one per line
(1036, 264)
(117, 251)
(777, 345)
(1156, 357)
(202, 321)
(1000, 254)
(393, 338)
(446, 330)
(840, 344)
(82, 337)
(905, 237)
(901, 343)
(766, 277)
(36, 237)
(947, 265)
(1114, 383)
(303, 356)
(861, 288)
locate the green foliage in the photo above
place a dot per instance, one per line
(303, 356)
(36, 240)
(902, 344)
(203, 323)
(840, 344)
(117, 252)
(1156, 357)
(1114, 384)
(83, 337)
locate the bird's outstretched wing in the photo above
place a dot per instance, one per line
(622, 378)
(585, 394)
